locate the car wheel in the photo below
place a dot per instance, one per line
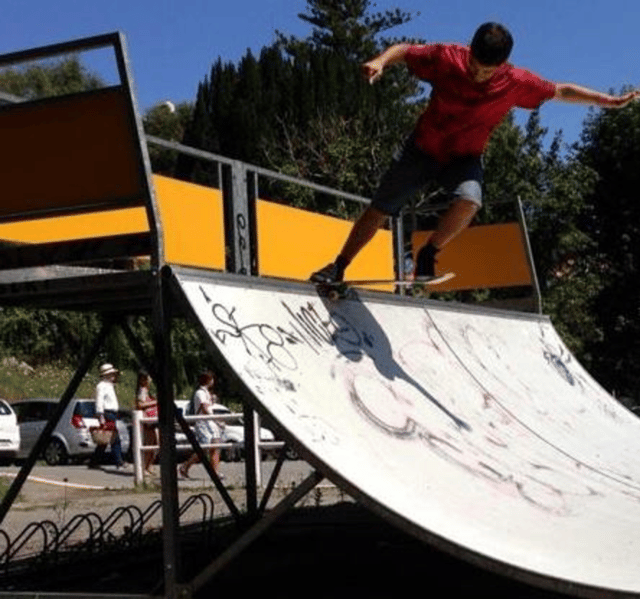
(290, 453)
(55, 453)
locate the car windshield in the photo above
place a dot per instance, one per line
(86, 409)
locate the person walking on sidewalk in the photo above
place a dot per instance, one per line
(473, 89)
(207, 431)
(148, 405)
(107, 413)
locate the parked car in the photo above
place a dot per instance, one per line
(9, 433)
(233, 431)
(71, 438)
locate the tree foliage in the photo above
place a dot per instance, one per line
(64, 76)
(303, 108)
(347, 27)
(166, 121)
(610, 145)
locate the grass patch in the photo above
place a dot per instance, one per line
(19, 380)
(5, 483)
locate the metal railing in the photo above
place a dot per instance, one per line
(240, 184)
(138, 448)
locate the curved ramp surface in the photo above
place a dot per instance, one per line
(474, 430)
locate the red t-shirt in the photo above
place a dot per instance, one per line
(462, 114)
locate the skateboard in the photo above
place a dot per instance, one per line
(417, 285)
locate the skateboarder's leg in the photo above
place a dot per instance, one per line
(455, 220)
(409, 171)
(462, 178)
(362, 232)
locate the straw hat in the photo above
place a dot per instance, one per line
(107, 369)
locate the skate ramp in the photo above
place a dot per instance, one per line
(477, 431)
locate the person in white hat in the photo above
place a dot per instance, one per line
(107, 411)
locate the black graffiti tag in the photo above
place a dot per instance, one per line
(272, 343)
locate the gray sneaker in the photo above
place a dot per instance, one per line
(331, 273)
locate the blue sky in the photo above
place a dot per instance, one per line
(173, 44)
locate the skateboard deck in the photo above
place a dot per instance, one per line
(341, 289)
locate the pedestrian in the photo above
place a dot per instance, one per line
(207, 431)
(473, 89)
(149, 407)
(107, 413)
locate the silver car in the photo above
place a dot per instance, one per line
(71, 438)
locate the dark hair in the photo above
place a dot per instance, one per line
(143, 375)
(491, 44)
(205, 378)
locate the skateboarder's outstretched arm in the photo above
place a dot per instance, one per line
(569, 92)
(372, 69)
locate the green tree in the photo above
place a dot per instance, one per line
(347, 27)
(303, 108)
(610, 145)
(65, 76)
(167, 121)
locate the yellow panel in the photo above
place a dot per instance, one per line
(192, 222)
(482, 257)
(81, 226)
(293, 243)
(191, 217)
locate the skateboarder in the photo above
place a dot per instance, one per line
(473, 89)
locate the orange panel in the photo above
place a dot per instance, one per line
(483, 257)
(68, 152)
(293, 243)
(192, 222)
(81, 226)
(191, 217)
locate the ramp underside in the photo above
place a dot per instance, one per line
(477, 431)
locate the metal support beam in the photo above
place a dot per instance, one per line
(282, 455)
(532, 264)
(238, 218)
(138, 350)
(397, 229)
(204, 460)
(251, 460)
(252, 534)
(168, 454)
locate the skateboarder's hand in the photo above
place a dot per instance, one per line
(622, 101)
(372, 70)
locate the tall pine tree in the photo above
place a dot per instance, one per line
(303, 108)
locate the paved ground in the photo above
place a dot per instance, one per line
(355, 553)
(57, 493)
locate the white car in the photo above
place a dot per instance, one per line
(71, 438)
(9, 433)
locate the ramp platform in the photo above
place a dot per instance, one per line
(475, 430)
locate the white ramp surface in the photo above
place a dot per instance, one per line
(474, 430)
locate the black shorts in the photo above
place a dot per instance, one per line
(412, 169)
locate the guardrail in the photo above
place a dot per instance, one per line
(138, 448)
